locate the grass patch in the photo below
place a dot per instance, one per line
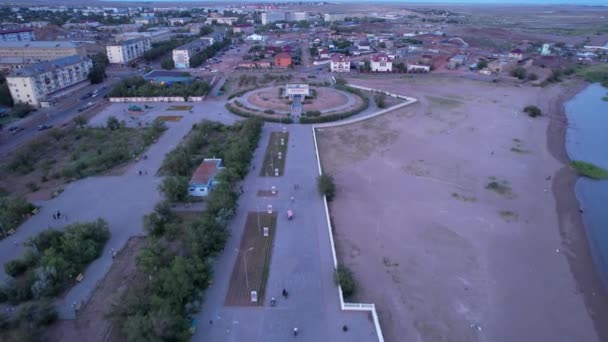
(508, 216)
(589, 170)
(595, 73)
(256, 251)
(180, 108)
(271, 157)
(444, 101)
(463, 197)
(500, 187)
(66, 155)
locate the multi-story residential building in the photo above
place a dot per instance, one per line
(329, 17)
(17, 35)
(340, 63)
(296, 16)
(381, 62)
(41, 50)
(128, 50)
(244, 28)
(144, 21)
(183, 54)
(33, 83)
(155, 35)
(271, 17)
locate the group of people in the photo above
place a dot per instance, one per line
(57, 215)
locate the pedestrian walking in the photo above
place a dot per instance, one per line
(344, 328)
(58, 214)
(210, 322)
(292, 199)
(285, 294)
(54, 216)
(273, 301)
(295, 331)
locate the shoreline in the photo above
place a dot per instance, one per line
(575, 243)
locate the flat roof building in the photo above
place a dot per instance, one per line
(126, 51)
(271, 17)
(203, 179)
(183, 54)
(31, 84)
(17, 35)
(41, 50)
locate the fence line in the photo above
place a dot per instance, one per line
(354, 306)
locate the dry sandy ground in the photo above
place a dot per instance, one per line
(442, 257)
(327, 98)
(91, 323)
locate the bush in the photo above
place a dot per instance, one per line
(380, 100)
(269, 111)
(246, 114)
(533, 111)
(326, 186)
(313, 113)
(532, 76)
(13, 211)
(35, 314)
(112, 123)
(519, 72)
(168, 64)
(344, 278)
(15, 268)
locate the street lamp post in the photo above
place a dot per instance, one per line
(245, 262)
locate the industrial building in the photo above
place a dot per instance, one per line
(31, 84)
(126, 51)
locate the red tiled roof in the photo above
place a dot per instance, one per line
(377, 58)
(207, 170)
(339, 58)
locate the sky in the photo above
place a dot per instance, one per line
(451, 2)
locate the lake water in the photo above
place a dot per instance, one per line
(587, 140)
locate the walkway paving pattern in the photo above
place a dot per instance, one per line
(301, 259)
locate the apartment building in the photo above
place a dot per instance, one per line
(41, 50)
(340, 63)
(183, 54)
(33, 83)
(128, 50)
(329, 17)
(271, 17)
(17, 35)
(155, 35)
(296, 16)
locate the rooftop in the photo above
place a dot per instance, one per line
(39, 44)
(283, 55)
(16, 30)
(208, 169)
(47, 66)
(339, 58)
(381, 57)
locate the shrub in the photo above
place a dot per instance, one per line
(313, 113)
(519, 72)
(532, 76)
(15, 268)
(326, 186)
(269, 111)
(35, 314)
(246, 114)
(380, 100)
(533, 111)
(13, 211)
(168, 64)
(344, 278)
(112, 123)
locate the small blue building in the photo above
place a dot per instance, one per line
(203, 179)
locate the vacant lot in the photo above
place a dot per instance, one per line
(272, 161)
(250, 270)
(60, 156)
(447, 230)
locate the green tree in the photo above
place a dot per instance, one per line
(380, 100)
(482, 64)
(326, 186)
(519, 72)
(168, 64)
(112, 123)
(80, 120)
(97, 75)
(175, 188)
(533, 111)
(344, 277)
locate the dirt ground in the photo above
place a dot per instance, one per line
(327, 98)
(91, 323)
(445, 213)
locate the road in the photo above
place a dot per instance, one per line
(65, 109)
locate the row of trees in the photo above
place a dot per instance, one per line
(160, 306)
(53, 260)
(161, 48)
(137, 86)
(98, 72)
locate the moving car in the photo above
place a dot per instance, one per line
(43, 127)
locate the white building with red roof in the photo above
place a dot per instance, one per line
(517, 54)
(340, 63)
(381, 63)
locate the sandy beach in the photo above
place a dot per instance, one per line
(458, 218)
